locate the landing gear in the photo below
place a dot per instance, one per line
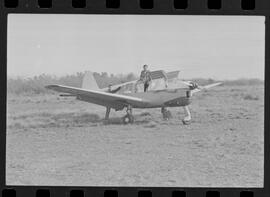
(107, 115)
(108, 110)
(187, 118)
(166, 114)
(128, 118)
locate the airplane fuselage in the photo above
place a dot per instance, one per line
(163, 98)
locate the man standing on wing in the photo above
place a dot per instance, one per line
(145, 77)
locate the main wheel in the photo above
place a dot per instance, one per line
(128, 119)
(186, 121)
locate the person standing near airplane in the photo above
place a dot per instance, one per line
(145, 78)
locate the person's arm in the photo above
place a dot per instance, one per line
(141, 76)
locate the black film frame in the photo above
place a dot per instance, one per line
(148, 7)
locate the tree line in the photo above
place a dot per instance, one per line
(36, 84)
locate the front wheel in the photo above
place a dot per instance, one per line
(187, 120)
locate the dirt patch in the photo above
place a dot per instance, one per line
(65, 142)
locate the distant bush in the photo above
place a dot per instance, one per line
(247, 82)
(250, 97)
(103, 79)
(240, 82)
(203, 81)
(36, 85)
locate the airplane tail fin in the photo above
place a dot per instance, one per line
(89, 81)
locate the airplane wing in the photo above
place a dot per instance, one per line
(116, 101)
(200, 88)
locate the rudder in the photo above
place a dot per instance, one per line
(89, 81)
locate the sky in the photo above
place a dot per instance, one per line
(218, 47)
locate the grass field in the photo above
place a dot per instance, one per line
(61, 141)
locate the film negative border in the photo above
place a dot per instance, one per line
(209, 7)
(121, 192)
(171, 7)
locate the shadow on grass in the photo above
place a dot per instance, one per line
(142, 118)
(72, 119)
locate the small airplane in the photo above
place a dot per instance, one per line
(166, 90)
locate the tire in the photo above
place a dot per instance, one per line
(128, 119)
(186, 122)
